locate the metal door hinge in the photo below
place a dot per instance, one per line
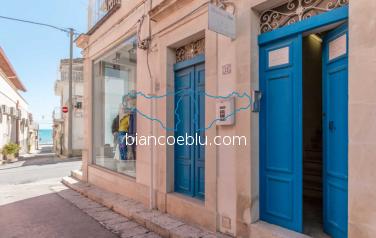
(256, 98)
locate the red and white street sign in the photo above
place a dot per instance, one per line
(65, 109)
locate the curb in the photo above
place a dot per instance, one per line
(160, 223)
(76, 174)
(110, 220)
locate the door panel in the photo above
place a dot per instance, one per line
(335, 88)
(281, 133)
(190, 119)
(200, 118)
(184, 103)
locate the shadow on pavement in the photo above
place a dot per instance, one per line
(44, 160)
(44, 156)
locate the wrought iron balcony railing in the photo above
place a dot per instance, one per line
(99, 10)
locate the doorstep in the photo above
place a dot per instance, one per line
(76, 174)
(262, 229)
(160, 223)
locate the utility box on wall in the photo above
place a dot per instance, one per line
(225, 112)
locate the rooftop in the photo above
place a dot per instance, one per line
(9, 71)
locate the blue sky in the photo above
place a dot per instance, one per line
(35, 51)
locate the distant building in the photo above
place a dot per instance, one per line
(60, 119)
(15, 118)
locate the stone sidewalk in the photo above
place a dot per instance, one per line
(134, 218)
(117, 224)
(48, 215)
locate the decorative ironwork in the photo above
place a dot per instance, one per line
(190, 50)
(294, 11)
(100, 11)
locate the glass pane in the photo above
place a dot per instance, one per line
(114, 101)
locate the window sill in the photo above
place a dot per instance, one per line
(191, 200)
(104, 169)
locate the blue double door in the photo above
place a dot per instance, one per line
(281, 130)
(189, 163)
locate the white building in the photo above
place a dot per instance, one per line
(15, 119)
(60, 120)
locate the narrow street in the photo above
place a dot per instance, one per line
(30, 208)
(36, 167)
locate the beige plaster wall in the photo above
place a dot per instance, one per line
(362, 119)
(118, 183)
(223, 169)
(87, 107)
(166, 38)
(191, 210)
(232, 187)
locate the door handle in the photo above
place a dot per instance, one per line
(331, 126)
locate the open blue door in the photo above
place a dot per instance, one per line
(335, 123)
(281, 133)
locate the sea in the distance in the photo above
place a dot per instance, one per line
(45, 137)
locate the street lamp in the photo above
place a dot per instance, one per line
(70, 106)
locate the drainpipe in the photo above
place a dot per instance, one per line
(152, 150)
(217, 219)
(152, 129)
(152, 155)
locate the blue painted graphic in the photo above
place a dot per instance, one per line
(191, 92)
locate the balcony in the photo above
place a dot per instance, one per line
(99, 11)
(57, 115)
(77, 76)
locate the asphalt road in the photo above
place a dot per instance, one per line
(33, 170)
(30, 208)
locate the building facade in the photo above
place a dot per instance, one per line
(15, 118)
(283, 75)
(60, 119)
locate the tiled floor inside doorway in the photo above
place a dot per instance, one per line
(313, 219)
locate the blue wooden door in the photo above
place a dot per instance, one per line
(189, 120)
(281, 133)
(335, 123)
(200, 130)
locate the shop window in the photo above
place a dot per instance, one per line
(114, 103)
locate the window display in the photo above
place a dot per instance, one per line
(114, 103)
